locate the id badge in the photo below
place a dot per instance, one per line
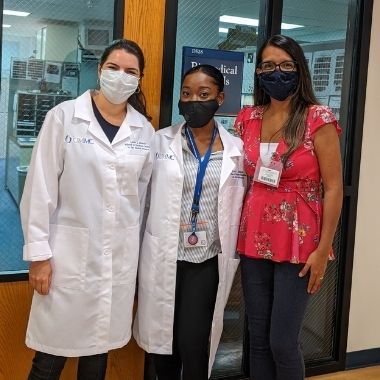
(268, 174)
(196, 239)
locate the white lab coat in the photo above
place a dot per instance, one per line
(153, 327)
(81, 207)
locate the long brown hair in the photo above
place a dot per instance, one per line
(303, 96)
(136, 100)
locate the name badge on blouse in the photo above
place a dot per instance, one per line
(196, 239)
(268, 174)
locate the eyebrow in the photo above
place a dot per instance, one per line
(127, 68)
(202, 87)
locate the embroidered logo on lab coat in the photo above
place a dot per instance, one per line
(78, 140)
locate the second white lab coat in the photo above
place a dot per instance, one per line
(153, 327)
(81, 207)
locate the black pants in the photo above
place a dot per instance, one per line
(49, 367)
(276, 300)
(196, 289)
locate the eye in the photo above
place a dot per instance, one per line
(185, 93)
(111, 66)
(287, 66)
(204, 94)
(133, 72)
(267, 66)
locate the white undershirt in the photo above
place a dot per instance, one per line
(266, 152)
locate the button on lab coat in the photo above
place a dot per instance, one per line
(153, 327)
(81, 207)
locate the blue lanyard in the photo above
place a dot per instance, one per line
(200, 173)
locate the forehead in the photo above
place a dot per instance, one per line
(275, 54)
(123, 59)
(199, 79)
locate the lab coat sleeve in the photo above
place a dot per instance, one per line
(40, 196)
(145, 179)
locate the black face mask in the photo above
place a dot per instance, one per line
(279, 85)
(198, 113)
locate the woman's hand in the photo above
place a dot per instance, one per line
(40, 276)
(317, 264)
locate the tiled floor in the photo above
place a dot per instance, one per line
(371, 373)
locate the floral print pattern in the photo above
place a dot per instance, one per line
(284, 223)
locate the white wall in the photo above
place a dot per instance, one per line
(61, 43)
(364, 327)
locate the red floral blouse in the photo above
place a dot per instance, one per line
(284, 223)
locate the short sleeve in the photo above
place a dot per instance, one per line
(246, 114)
(319, 116)
(239, 123)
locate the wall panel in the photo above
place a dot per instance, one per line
(144, 23)
(15, 358)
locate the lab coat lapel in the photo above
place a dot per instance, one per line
(175, 143)
(230, 150)
(83, 110)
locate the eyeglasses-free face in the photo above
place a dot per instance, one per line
(269, 66)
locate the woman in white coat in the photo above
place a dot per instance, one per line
(187, 261)
(81, 214)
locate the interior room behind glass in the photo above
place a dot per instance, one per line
(50, 52)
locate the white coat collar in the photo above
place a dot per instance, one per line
(83, 110)
(230, 144)
(232, 147)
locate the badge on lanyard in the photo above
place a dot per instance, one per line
(197, 238)
(268, 174)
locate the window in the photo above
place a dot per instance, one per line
(322, 34)
(334, 36)
(50, 54)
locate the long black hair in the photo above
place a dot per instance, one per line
(210, 71)
(136, 100)
(303, 96)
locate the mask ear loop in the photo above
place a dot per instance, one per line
(138, 90)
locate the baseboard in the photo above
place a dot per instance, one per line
(364, 358)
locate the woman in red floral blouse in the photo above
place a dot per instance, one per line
(291, 150)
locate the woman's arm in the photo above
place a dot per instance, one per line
(39, 200)
(327, 149)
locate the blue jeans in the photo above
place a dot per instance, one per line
(276, 300)
(49, 367)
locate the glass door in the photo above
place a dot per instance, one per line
(50, 53)
(330, 33)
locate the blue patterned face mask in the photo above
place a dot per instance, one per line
(279, 85)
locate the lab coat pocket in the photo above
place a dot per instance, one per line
(150, 260)
(129, 170)
(126, 255)
(69, 246)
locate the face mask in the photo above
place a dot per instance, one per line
(279, 85)
(198, 113)
(117, 86)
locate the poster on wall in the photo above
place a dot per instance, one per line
(53, 72)
(230, 64)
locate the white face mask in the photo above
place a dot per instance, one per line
(117, 86)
